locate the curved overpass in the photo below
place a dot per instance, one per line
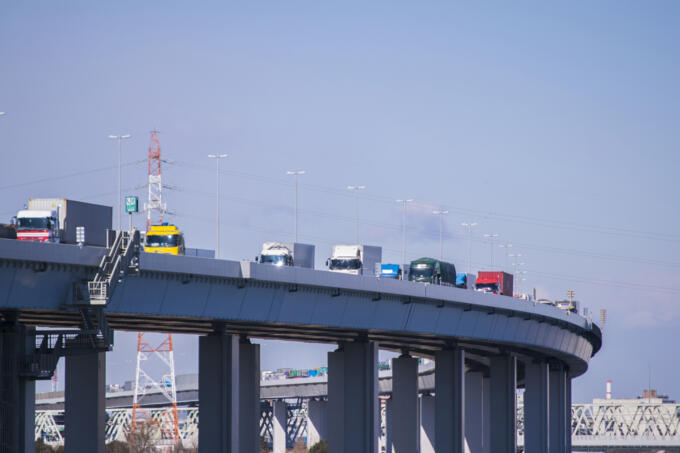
(508, 339)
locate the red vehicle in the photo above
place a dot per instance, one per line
(496, 282)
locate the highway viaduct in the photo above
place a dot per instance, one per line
(505, 342)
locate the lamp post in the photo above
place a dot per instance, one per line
(296, 173)
(507, 248)
(441, 215)
(403, 234)
(469, 226)
(218, 157)
(119, 138)
(491, 237)
(355, 189)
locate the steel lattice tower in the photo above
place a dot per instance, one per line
(155, 186)
(168, 424)
(144, 381)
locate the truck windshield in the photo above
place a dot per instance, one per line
(487, 287)
(341, 264)
(421, 272)
(33, 223)
(276, 260)
(161, 240)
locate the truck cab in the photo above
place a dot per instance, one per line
(37, 225)
(164, 238)
(354, 259)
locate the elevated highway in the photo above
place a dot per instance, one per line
(504, 341)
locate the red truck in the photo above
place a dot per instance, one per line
(496, 282)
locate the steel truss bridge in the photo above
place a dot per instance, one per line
(595, 427)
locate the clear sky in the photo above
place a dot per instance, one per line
(552, 124)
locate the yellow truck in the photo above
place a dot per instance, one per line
(164, 238)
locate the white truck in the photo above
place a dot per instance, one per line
(355, 259)
(56, 220)
(287, 254)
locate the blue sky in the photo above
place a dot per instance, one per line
(551, 124)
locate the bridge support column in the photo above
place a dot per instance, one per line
(536, 413)
(560, 411)
(503, 410)
(317, 422)
(353, 398)
(249, 397)
(84, 403)
(486, 415)
(218, 393)
(474, 412)
(427, 424)
(449, 389)
(279, 426)
(404, 405)
(17, 394)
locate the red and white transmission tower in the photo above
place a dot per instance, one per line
(144, 381)
(155, 202)
(167, 422)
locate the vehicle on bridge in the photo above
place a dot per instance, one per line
(496, 282)
(390, 271)
(354, 259)
(8, 231)
(164, 238)
(56, 220)
(287, 254)
(466, 281)
(430, 270)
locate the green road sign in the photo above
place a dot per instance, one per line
(131, 204)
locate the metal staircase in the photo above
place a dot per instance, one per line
(123, 253)
(122, 257)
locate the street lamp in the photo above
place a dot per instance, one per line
(355, 189)
(296, 173)
(120, 196)
(491, 237)
(403, 234)
(218, 157)
(469, 228)
(441, 215)
(507, 248)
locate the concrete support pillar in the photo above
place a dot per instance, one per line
(405, 405)
(486, 415)
(279, 426)
(427, 424)
(218, 393)
(568, 409)
(317, 422)
(353, 398)
(249, 397)
(449, 390)
(17, 394)
(503, 410)
(85, 405)
(559, 428)
(474, 413)
(389, 414)
(536, 408)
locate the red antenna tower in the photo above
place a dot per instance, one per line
(168, 423)
(155, 201)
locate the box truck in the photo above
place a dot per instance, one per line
(56, 220)
(354, 259)
(496, 282)
(287, 254)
